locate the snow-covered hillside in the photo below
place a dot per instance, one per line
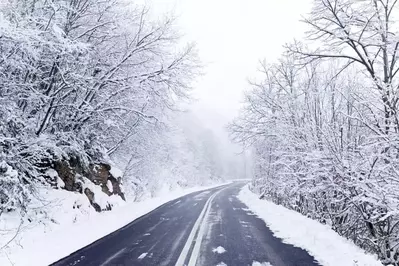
(90, 113)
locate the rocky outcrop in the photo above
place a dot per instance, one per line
(100, 174)
(74, 175)
(68, 175)
(90, 195)
(116, 186)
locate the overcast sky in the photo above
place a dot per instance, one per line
(232, 36)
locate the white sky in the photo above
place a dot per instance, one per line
(232, 36)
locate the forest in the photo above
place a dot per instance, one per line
(322, 123)
(94, 98)
(88, 87)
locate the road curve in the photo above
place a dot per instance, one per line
(210, 227)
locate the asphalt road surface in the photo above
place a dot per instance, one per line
(209, 228)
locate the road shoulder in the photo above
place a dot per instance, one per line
(319, 240)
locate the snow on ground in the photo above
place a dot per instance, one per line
(142, 256)
(73, 225)
(219, 250)
(324, 244)
(257, 263)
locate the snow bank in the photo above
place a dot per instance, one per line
(74, 224)
(324, 244)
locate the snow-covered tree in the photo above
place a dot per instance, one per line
(317, 149)
(179, 153)
(78, 79)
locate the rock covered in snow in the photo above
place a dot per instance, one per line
(98, 181)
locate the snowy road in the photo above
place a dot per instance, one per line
(211, 227)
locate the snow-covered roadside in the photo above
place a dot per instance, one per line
(44, 244)
(324, 244)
